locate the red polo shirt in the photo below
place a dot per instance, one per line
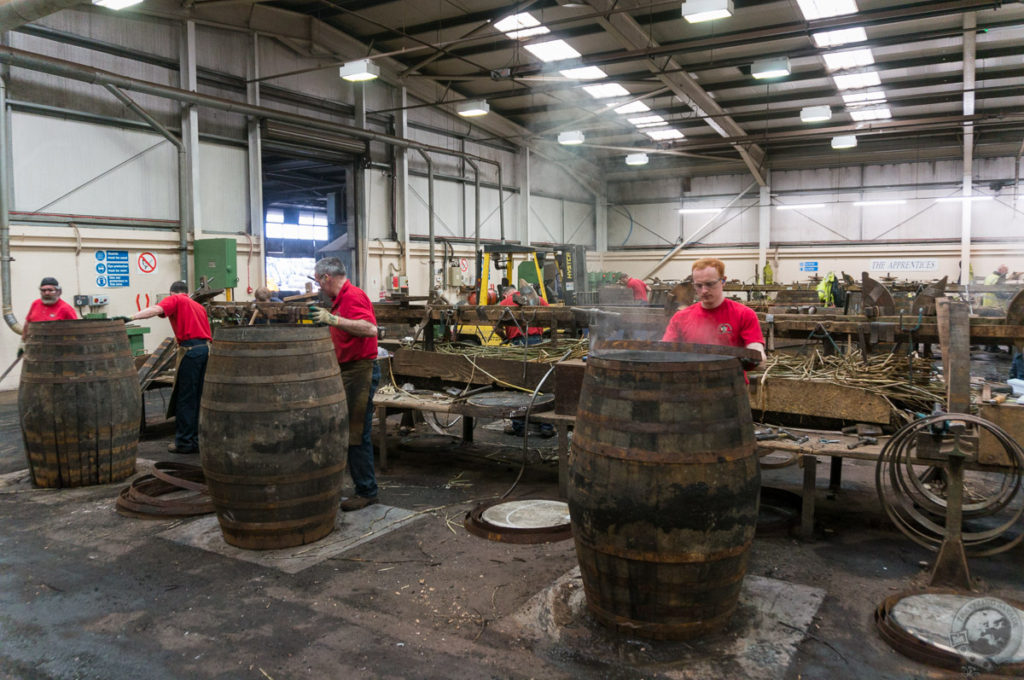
(512, 332)
(639, 289)
(187, 317)
(59, 311)
(353, 303)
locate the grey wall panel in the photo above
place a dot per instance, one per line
(224, 188)
(551, 178)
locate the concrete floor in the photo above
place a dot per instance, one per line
(87, 593)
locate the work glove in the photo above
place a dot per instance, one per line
(519, 299)
(749, 364)
(21, 348)
(126, 319)
(322, 316)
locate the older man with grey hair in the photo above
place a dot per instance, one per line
(354, 334)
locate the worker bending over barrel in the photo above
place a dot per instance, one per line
(714, 319)
(354, 333)
(638, 287)
(192, 331)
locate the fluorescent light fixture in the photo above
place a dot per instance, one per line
(633, 107)
(636, 159)
(840, 37)
(960, 199)
(552, 50)
(699, 211)
(822, 9)
(606, 90)
(519, 26)
(864, 98)
(844, 141)
(115, 4)
(880, 113)
(856, 81)
(648, 121)
(571, 137)
(584, 73)
(836, 61)
(815, 114)
(663, 134)
(358, 71)
(472, 107)
(885, 201)
(800, 206)
(696, 11)
(770, 68)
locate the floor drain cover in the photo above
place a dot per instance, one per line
(520, 521)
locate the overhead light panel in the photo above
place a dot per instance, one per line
(880, 113)
(636, 159)
(815, 114)
(837, 61)
(770, 68)
(632, 107)
(606, 90)
(584, 73)
(822, 9)
(663, 134)
(844, 141)
(840, 37)
(358, 71)
(696, 11)
(886, 201)
(552, 50)
(472, 107)
(519, 26)
(570, 138)
(115, 4)
(856, 81)
(699, 211)
(800, 206)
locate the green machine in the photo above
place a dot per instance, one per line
(216, 261)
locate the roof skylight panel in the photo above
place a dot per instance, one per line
(879, 113)
(856, 81)
(519, 26)
(648, 121)
(661, 134)
(836, 61)
(552, 50)
(822, 9)
(864, 98)
(840, 37)
(584, 73)
(606, 90)
(632, 107)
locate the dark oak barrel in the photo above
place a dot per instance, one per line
(273, 434)
(663, 490)
(79, 403)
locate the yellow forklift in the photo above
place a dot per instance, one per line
(510, 263)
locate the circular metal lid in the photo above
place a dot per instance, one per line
(511, 401)
(521, 521)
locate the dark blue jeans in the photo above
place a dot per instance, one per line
(360, 456)
(191, 372)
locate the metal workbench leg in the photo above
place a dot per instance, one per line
(382, 418)
(835, 474)
(467, 429)
(810, 464)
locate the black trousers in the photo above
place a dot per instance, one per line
(191, 372)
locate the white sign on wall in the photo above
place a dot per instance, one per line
(904, 265)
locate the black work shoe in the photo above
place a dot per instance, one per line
(173, 448)
(357, 503)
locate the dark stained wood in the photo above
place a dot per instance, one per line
(273, 434)
(663, 492)
(819, 399)
(459, 368)
(79, 402)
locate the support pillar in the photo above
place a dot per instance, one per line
(187, 80)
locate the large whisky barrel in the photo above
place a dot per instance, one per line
(663, 490)
(273, 434)
(79, 402)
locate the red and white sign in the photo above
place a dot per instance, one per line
(464, 264)
(147, 262)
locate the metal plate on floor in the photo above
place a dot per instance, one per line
(532, 520)
(507, 404)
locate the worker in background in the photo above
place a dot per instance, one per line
(638, 287)
(354, 334)
(714, 319)
(996, 278)
(264, 294)
(525, 296)
(192, 331)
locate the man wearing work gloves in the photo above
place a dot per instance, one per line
(354, 333)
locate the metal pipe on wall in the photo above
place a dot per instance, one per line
(431, 273)
(5, 216)
(183, 212)
(88, 74)
(476, 220)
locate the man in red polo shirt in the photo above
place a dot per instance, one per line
(526, 295)
(354, 333)
(638, 287)
(192, 331)
(49, 306)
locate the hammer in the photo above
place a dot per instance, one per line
(861, 441)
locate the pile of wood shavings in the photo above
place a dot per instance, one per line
(544, 353)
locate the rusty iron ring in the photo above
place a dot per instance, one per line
(140, 499)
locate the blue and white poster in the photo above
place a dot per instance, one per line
(114, 264)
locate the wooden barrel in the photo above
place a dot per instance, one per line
(663, 490)
(79, 402)
(273, 434)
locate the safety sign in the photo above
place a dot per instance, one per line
(809, 266)
(147, 262)
(114, 265)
